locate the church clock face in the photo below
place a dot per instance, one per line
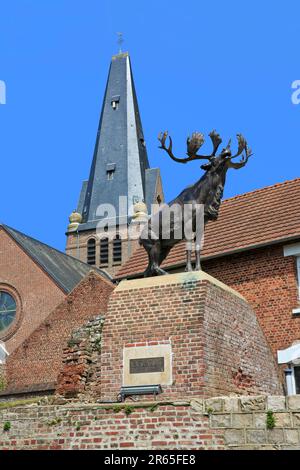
(8, 309)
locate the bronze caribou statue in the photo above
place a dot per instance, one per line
(207, 192)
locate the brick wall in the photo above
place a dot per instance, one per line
(217, 344)
(81, 356)
(219, 423)
(38, 360)
(268, 281)
(35, 292)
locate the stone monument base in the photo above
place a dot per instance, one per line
(189, 333)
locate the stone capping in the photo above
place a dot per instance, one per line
(177, 278)
(250, 404)
(246, 404)
(242, 404)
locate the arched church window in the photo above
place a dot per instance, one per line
(104, 250)
(117, 249)
(8, 309)
(91, 251)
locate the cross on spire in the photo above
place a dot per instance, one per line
(120, 41)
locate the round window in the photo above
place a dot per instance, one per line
(8, 309)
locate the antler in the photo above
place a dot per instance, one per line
(216, 141)
(242, 146)
(193, 144)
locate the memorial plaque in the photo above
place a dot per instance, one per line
(146, 365)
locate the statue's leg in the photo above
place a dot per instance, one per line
(188, 267)
(160, 272)
(148, 247)
(188, 246)
(198, 245)
(148, 271)
(198, 262)
(156, 254)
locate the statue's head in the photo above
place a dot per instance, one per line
(218, 161)
(226, 152)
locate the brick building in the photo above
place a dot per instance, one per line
(44, 295)
(254, 247)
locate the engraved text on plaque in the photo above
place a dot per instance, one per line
(146, 365)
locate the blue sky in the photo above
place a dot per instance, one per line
(197, 65)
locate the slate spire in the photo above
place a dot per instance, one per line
(120, 158)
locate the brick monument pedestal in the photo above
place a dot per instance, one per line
(188, 332)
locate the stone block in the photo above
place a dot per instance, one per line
(253, 403)
(231, 404)
(296, 419)
(253, 447)
(291, 436)
(264, 447)
(242, 420)
(260, 420)
(234, 436)
(214, 405)
(293, 402)
(197, 405)
(275, 436)
(220, 420)
(256, 436)
(290, 447)
(282, 420)
(143, 357)
(276, 403)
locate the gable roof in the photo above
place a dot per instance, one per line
(258, 218)
(65, 270)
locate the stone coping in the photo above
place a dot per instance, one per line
(177, 278)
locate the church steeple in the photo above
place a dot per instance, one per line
(119, 167)
(120, 157)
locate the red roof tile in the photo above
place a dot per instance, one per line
(260, 217)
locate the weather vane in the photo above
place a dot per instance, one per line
(120, 41)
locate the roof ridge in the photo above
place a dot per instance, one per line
(260, 189)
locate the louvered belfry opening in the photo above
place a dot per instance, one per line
(117, 249)
(104, 251)
(91, 251)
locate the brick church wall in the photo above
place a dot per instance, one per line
(37, 293)
(37, 361)
(268, 280)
